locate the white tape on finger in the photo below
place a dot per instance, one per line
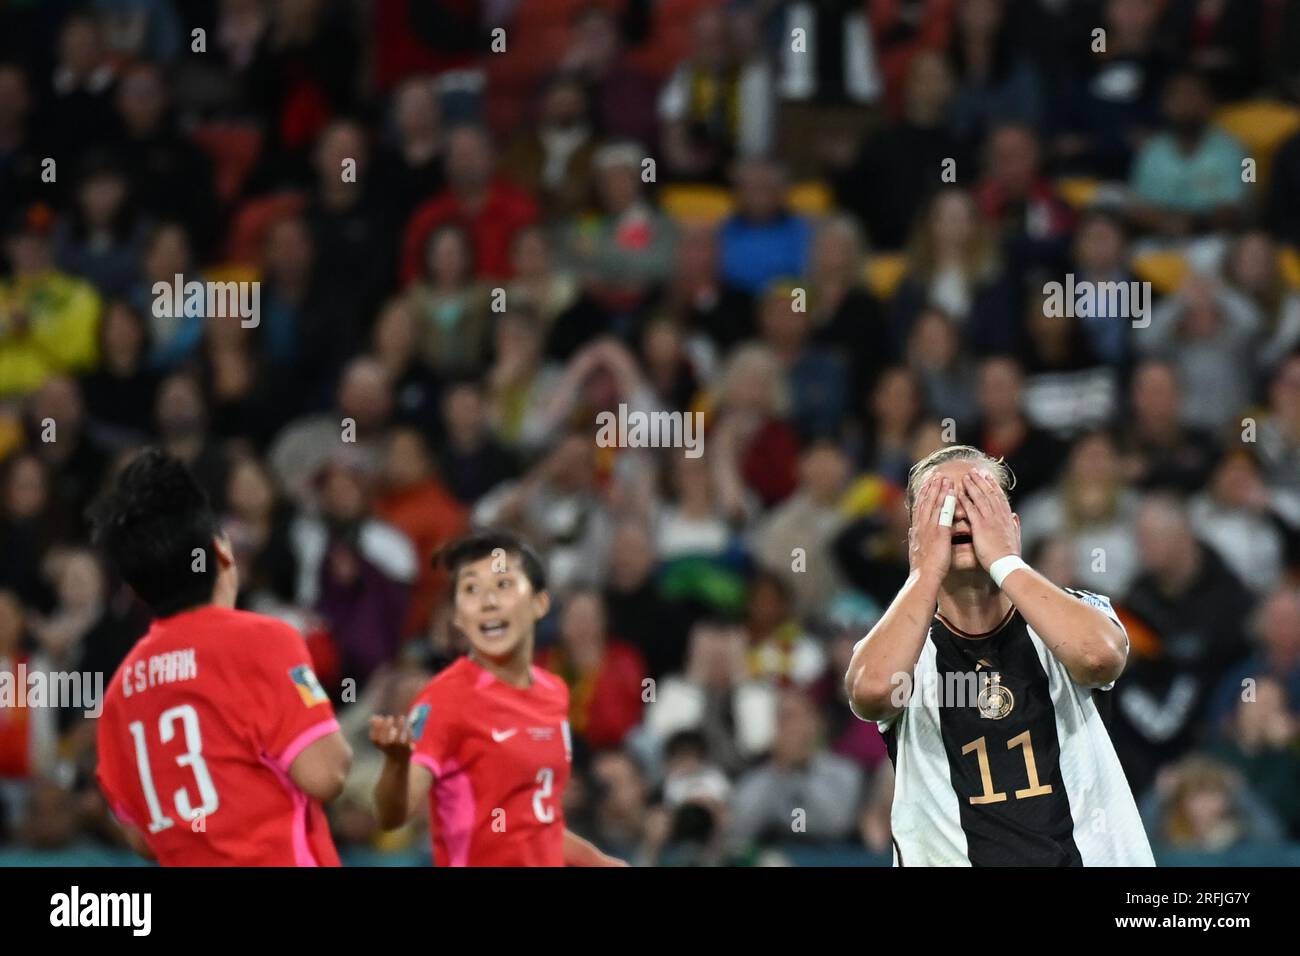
(948, 510)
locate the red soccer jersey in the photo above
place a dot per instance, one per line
(200, 726)
(500, 758)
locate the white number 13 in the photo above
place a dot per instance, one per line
(192, 758)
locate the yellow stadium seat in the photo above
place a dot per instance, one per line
(1289, 260)
(1164, 270)
(1078, 191)
(695, 204)
(11, 433)
(1261, 126)
(705, 403)
(231, 272)
(811, 198)
(884, 272)
(711, 204)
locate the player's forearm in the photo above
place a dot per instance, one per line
(1080, 636)
(392, 804)
(580, 852)
(885, 661)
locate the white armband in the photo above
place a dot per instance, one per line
(1000, 568)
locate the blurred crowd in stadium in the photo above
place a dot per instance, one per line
(437, 334)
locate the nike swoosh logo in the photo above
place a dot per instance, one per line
(501, 736)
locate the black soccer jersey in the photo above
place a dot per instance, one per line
(1001, 759)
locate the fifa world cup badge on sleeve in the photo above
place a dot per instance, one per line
(995, 701)
(309, 688)
(416, 720)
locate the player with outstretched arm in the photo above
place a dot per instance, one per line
(986, 681)
(487, 742)
(217, 745)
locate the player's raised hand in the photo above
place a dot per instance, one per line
(930, 543)
(392, 735)
(995, 533)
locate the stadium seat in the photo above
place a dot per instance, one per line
(513, 78)
(1261, 126)
(1289, 261)
(671, 36)
(705, 403)
(528, 58)
(1078, 191)
(1164, 270)
(884, 272)
(695, 204)
(234, 149)
(811, 198)
(232, 272)
(532, 14)
(11, 433)
(248, 230)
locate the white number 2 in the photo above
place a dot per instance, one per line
(192, 758)
(546, 777)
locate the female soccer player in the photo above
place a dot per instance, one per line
(984, 678)
(487, 741)
(217, 745)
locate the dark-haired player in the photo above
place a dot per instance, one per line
(487, 741)
(217, 744)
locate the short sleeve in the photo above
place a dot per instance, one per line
(888, 724)
(431, 720)
(1101, 603)
(294, 709)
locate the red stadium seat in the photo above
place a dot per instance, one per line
(671, 36)
(234, 148)
(248, 231)
(532, 52)
(533, 14)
